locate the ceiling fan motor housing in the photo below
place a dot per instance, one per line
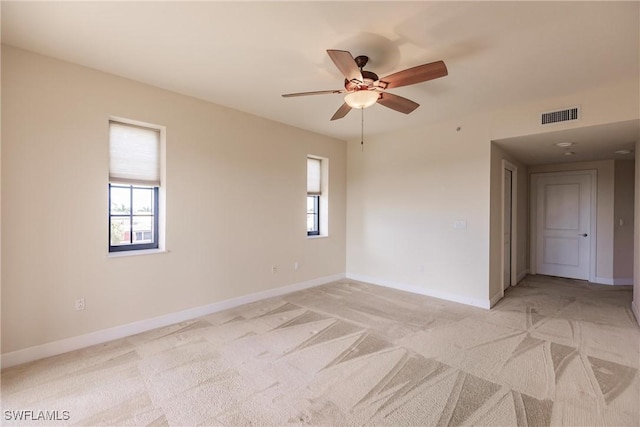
(369, 79)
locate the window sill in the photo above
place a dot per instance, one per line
(321, 236)
(124, 254)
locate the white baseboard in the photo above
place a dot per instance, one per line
(476, 302)
(636, 311)
(603, 280)
(612, 281)
(494, 299)
(81, 341)
(522, 275)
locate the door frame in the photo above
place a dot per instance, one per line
(533, 215)
(506, 165)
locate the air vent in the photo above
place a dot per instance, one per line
(564, 115)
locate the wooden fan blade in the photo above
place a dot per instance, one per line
(346, 64)
(421, 73)
(342, 111)
(397, 103)
(318, 92)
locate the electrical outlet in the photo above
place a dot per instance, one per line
(296, 265)
(80, 304)
(274, 269)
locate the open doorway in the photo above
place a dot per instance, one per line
(609, 150)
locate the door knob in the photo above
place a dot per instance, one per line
(583, 234)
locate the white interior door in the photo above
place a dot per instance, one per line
(508, 183)
(563, 225)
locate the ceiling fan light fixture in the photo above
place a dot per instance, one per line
(361, 98)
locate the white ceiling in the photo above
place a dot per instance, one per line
(589, 143)
(244, 55)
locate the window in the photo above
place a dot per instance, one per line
(314, 191)
(133, 219)
(313, 215)
(134, 181)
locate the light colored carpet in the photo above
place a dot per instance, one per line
(553, 352)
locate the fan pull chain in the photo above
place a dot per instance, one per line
(362, 129)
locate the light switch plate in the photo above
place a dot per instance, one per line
(460, 224)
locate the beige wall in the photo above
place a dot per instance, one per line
(235, 192)
(636, 233)
(604, 210)
(522, 219)
(613, 102)
(405, 192)
(624, 180)
(407, 188)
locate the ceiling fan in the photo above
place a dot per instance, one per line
(364, 88)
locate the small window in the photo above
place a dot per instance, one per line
(314, 191)
(134, 180)
(133, 219)
(313, 215)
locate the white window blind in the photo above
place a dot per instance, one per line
(134, 154)
(313, 176)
